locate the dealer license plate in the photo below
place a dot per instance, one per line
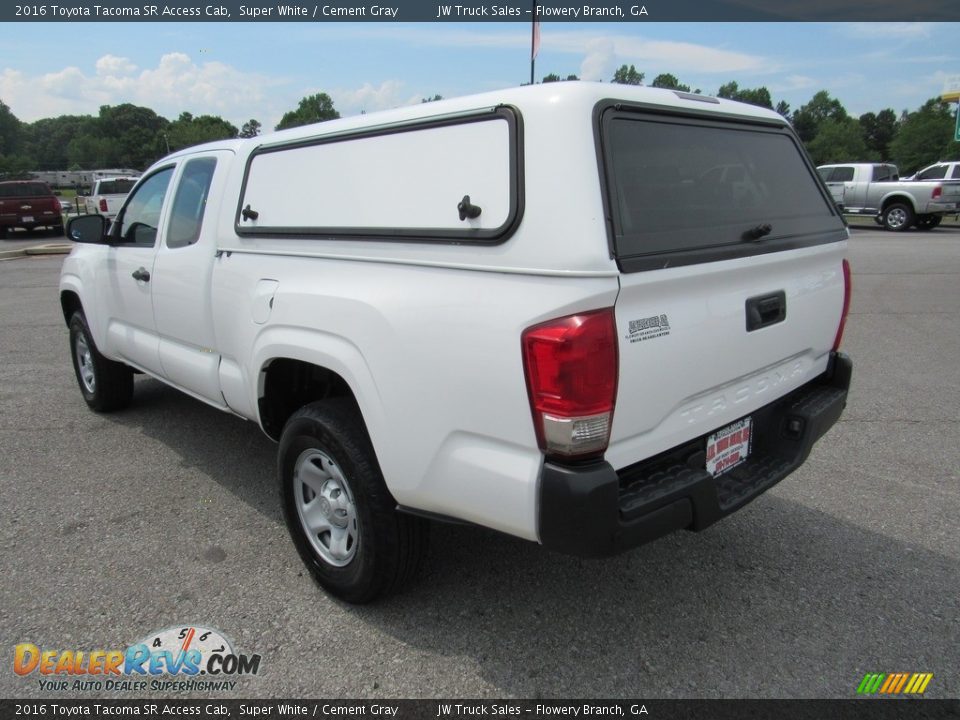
(28, 218)
(729, 447)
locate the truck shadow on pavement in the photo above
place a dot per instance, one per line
(779, 600)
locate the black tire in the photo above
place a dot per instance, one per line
(106, 385)
(898, 217)
(928, 222)
(364, 548)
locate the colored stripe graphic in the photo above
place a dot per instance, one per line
(894, 683)
(871, 683)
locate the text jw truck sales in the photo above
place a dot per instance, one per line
(545, 12)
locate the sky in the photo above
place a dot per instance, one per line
(261, 70)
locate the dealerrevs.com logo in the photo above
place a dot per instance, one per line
(184, 658)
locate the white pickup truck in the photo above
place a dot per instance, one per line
(585, 315)
(876, 189)
(108, 195)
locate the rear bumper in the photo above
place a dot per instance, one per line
(946, 208)
(595, 511)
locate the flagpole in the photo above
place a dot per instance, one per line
(533, 40)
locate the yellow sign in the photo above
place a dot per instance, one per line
(951, 89)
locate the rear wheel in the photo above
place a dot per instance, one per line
(898, 217)
(341, 516)
(106, 385)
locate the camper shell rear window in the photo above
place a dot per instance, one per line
(684, 189)
(421, 181)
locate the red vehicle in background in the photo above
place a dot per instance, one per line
(28, 204)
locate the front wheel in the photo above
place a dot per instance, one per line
(898, 217)
(340, 514)
(106, 385)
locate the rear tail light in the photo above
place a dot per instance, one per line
(103, 205)
(937, 192)
(847, 288)
(571, 370)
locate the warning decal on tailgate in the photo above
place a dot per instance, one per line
(648, 328)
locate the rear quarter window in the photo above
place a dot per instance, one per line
(684, 190)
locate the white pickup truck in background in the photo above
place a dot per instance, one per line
(876, 189)
(582, 314)
(944, 170)
(108, 195)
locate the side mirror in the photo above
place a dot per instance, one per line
(87, 229)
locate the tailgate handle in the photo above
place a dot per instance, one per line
(765, 310)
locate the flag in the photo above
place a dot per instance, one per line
(535, 44)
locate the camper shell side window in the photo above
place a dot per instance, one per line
(455, 179)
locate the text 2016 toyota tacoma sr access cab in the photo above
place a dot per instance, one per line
(585, 315)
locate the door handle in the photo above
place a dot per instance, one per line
(765, 310)
(141, 274)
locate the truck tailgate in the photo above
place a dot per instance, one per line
(691, 360)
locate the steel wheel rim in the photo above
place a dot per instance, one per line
(325, 506)
(85, 364)
(896, 218)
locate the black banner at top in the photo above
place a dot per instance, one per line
(636, 11)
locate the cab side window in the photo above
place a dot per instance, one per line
(937, 172)
(138, 221)
(189, 202)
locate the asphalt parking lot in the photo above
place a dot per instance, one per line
(167, 515)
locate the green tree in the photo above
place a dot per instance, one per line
(133, 133)
(628, 76)
(15, 167)
(925, 137)
(188, 130)
(879, 130)
(47, 139)
(666, 80)
(839, 141)
(783, 108)
(553, 77)
(251, 128)
(90, 151)
(312, 109)
(754, 96)
(807, 120)
(431, 99)
(9, 131)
